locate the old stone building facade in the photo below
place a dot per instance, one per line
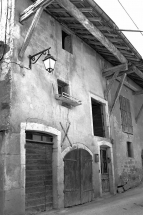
(72, 135)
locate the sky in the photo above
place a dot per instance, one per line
(134, 8)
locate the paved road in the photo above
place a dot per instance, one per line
(128, 203)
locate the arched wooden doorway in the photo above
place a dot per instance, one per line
(77, 177)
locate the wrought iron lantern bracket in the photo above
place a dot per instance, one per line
(34, 58)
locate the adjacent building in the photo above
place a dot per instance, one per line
(75, 133)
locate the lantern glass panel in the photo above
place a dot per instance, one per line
(49, 63)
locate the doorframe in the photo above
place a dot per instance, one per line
(76, 146)
(109, 147)
(56, 159)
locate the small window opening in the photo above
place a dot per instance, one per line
(97, 116)
(62, 87)
(129, 150)
(67, 42)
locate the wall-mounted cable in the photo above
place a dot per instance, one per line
(20, 65)
(130, 17)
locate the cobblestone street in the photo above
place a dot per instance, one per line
(128, 203)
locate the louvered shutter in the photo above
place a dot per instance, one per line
(126, 115)
(68, 44)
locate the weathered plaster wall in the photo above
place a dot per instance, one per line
(127, 170)
(33, 100)
(6, 36)
(33, 97)
(1, 173)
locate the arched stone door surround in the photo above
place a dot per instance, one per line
(57, 163)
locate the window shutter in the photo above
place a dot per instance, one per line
(126, 115)
(68, 44)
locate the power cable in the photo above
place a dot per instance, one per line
(21, 66)
(130, 17)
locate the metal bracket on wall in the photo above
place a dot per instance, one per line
(66, 134)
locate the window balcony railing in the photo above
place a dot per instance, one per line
(66, 98)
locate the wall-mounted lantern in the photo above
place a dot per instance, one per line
(49, 61)
(96, 158)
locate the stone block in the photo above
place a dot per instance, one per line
(14, 202)
(1, 172)
(127, 186)
(13, 172)
(1, 142)
(1, 202)
(120, 190)
(12, 145)
(121, 182)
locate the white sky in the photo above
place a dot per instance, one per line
(135, 9)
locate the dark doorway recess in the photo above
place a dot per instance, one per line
(98, 118)
(38, 181)
(130, 150)
(77, 177)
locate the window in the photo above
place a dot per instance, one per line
(126, 115)
(63, 90)
(62, 87)
(67, 42)
(104, 161)
(97, 117)
(130, 150)
(38, 137)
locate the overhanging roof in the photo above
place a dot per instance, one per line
(108, 28)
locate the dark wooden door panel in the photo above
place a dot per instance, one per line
(72, 178)
(104, 170)
(77, 177)
(105, 183)
(39, 195)
(86, 176)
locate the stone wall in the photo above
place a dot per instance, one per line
(127, 170)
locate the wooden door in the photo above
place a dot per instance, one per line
(38, 184)
(104, 170)
(72, 178)
(77, 177)
(86, 176)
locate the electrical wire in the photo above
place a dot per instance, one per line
(130, 17)
(21, 66)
